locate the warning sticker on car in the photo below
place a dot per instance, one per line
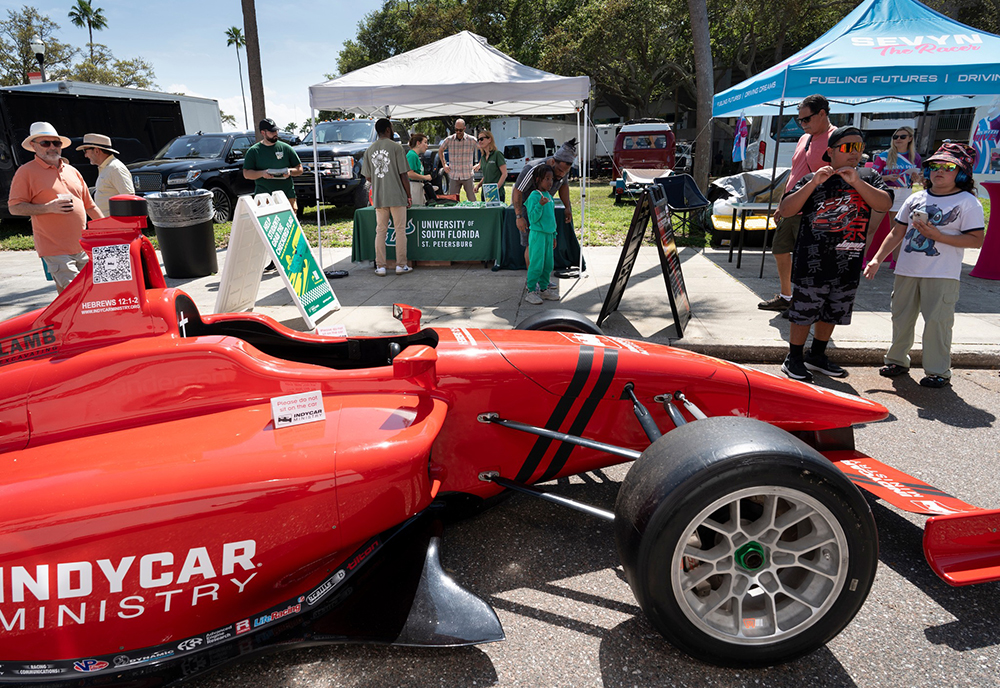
(296, 409)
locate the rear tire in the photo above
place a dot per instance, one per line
(743, 545)
(559, 320)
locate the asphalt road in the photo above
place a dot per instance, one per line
(570, 619)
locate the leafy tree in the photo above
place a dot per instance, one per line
(105, 68)
(234, 36)
(16, 57)
(83, 13)
(227, 119)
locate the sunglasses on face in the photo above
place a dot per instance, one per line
(805, 120)
(459, 131)
(942, 166)
(900, 136)
(855, 147)
(484, 138)
(47, 143)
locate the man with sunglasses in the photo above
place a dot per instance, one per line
(461, 156)
(836, 203)
(814, 118)
(54, 195)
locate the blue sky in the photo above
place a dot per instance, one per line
(185, 40)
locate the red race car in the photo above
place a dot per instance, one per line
(182, 490)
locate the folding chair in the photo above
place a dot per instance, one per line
(683, 198)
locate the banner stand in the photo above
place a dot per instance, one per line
(265, 229)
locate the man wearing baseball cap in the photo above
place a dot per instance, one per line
(272, 163)
(54, 195)
(836, 203)
(113, 178)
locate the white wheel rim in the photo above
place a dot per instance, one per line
(803, 571)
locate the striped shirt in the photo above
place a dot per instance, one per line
(461, 155)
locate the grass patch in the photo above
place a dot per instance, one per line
(607, 224)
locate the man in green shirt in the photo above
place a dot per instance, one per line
(418, 146)
(271, 154)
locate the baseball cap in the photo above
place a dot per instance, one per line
(959, 153)
(838, 134)
(267, 124)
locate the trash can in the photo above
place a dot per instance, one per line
(185, 231)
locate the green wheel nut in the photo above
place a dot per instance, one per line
(751, 556)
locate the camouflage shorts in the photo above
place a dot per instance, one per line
(829, 303)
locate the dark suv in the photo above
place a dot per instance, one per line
(199, 161)
(340, 145)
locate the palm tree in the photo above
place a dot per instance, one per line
(85, 14)
(234, 36)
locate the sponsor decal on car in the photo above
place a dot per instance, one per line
(189, 644)
(325, 587)
(100, 589)
(27, 345)
(274, 616)
(127, 661)
(88, 665)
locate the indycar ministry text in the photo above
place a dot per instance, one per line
(78, 579)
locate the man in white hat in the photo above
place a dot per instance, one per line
(53, 194)
(113, 178)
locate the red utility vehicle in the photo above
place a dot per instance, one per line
(181, 490)
(644, 145)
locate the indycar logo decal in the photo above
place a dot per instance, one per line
(27, 345)
(584, 367)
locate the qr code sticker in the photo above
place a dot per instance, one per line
(112, 264)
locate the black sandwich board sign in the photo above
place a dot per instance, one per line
(652, 205)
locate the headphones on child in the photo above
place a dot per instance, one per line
(959, 178)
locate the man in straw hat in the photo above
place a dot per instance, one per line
(113, 178)
(53, 194)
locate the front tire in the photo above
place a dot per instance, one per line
(223, 205)
(743, 545)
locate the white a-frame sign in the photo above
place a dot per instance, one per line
(265, 228)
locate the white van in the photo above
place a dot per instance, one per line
(878, 130)
(524, 149)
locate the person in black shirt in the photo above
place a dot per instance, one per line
(836, 203)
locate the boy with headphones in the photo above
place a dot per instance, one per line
(935, 225)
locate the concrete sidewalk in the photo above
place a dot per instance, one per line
(725, 319)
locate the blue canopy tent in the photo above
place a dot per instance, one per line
(885, 56)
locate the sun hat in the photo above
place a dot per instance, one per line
(97, 141)
(839, 133)
(959, 153)
(43, 129)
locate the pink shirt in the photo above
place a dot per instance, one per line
(803, 161)
(56, 234)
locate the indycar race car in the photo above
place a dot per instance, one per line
(182, 490)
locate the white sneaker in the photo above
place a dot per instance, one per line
(380, 272)
(403, 269)
(534, 298)
(549, 295)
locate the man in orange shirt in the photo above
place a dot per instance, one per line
(53, 194)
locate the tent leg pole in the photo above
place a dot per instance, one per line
(315, 170)
(774, 172)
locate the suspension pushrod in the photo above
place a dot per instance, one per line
(548, 496)
(560, 436)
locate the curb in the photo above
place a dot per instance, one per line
(860, 356)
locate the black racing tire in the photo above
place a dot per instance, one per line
(559, 320)
(779, 579)
(223, 205)
(359, 198)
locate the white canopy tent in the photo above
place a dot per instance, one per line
(458, 75)
(455, 76)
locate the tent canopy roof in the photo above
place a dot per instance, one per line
(897, 48)
(458, 75)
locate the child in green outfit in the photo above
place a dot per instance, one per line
(541, 236)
